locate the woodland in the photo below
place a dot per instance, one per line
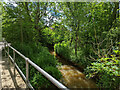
(84, 33)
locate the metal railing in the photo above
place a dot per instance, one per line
(28, 61)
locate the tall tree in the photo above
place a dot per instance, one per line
(75, 16)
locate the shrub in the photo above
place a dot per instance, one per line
(47, 62)
(106, 70)
(63, 49)
(39, 81)
(68, 52)
(53, 71)
(42, 57)
(80, 59)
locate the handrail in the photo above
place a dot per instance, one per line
(28, 61)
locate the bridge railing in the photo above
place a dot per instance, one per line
(28, 61)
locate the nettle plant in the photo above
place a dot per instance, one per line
(106, 70)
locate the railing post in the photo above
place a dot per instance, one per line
(8, 51)
(27, 72)
(14, 62)
(28, 61)
(8, 54)
(5, 48)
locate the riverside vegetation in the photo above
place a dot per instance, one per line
(86, 33)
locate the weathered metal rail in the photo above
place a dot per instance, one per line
(28, 61)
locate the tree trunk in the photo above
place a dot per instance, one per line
(76, 40)
(113, 17)
(21, 31)
(76, 45)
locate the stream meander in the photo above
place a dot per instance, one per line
(72, 77)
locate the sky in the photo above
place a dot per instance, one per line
(11, 2)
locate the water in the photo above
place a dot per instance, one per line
(72, 77)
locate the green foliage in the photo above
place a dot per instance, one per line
(80, 59)
(47, 62)
(85, 32)
(48, 36)
(106, 70)
(54, 34)
(53, 71)
(39, 81)
(42, 57)
(63, 49)
(0, 21)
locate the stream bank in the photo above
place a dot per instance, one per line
(72, 74)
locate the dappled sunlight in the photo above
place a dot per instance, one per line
(83, 39)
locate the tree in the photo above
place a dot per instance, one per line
(75, 17)
(0, 21)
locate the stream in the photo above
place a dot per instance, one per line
(72, 76)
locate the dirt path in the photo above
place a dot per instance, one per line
(7, 78)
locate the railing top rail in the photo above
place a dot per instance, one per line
(18, 52)
(53, 80)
